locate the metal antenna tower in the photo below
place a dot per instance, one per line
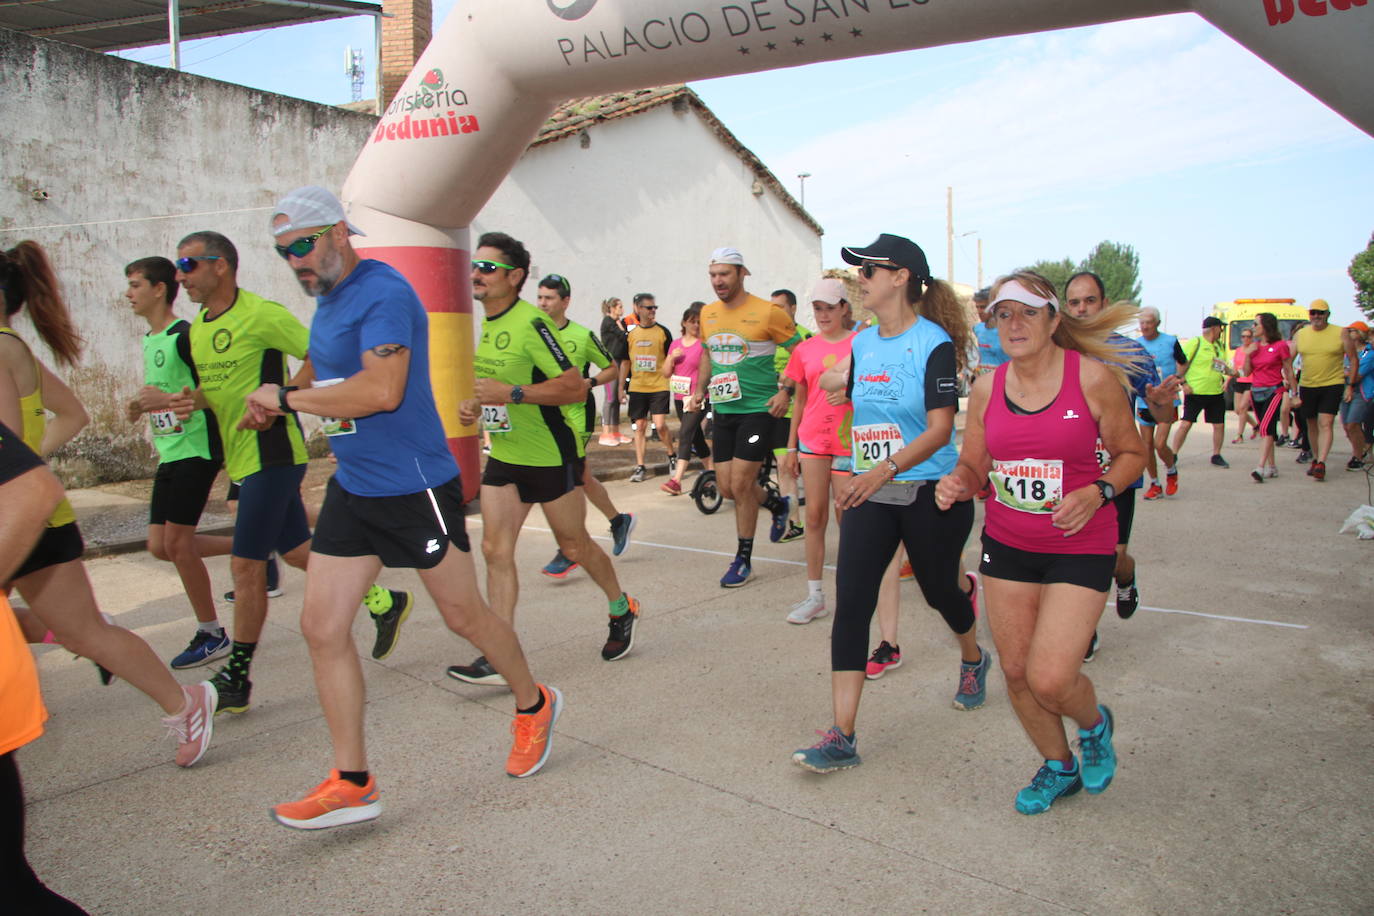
(353, 69)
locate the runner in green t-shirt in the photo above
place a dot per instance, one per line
(786, 300)
(584, 351)
(189, 451)
(239, 342)
(524, 380)
(1204, 373)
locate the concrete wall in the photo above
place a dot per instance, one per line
(641, 208)
(132, 158)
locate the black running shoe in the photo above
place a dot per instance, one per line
(480, 672)
(1092, 649)
(389, 623)
(1127, 600)
(233, 693)
(622, 636)
(106, 675)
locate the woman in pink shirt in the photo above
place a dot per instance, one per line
(819, 432)
(1049, 539)
(1269, 363)
(684, 357)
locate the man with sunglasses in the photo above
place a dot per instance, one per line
(585, 351)
(647, 389)
(524, 379)
(396, 499)
(238, 342)
(1322, 348)
(741, 333)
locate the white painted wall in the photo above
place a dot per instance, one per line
(641, 209)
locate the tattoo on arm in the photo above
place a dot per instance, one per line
(388, 349)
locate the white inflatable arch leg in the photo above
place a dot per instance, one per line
(497, 68)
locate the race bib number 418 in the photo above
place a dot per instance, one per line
(1030, 485)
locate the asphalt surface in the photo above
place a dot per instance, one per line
(1242, 693)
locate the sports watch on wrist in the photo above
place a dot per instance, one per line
(1108, 491)
(281, 398)
(892, 466)
(517, 394)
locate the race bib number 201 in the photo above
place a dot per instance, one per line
(875, 443)
(725, 388)
(1030, 485)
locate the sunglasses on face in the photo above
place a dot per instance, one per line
(490, 267)
(1317, 313)
(186, 265)
(648, 308)
(867, 270)
(302, 246)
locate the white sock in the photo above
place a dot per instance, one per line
(212, 627)
(813, 588)
(1154, 481)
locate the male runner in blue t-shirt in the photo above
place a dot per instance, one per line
(396, 499)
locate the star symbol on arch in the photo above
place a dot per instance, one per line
(799, 41)
(826, 36)
(771, 46)
(857, 32)
(743, 50)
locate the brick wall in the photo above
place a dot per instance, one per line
(404, 36)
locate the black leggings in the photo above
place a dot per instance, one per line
(690, 436)
(20, 885)
(869, 534)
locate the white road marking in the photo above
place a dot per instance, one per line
(1267, 623)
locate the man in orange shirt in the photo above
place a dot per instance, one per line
(29, 492)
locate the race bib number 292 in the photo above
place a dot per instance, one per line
(725, 387)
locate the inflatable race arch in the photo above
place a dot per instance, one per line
(496, 70)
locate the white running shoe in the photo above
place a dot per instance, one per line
(1271, 471)
(808, 609)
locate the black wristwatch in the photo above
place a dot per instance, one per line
(517, 394)
(281, 398)
(1108, 491)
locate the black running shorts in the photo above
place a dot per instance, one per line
(56, 546)
(1323, 399)
(746, 436)
(180, 491)
(1089, 570)
(648, 403)
(1213, 406)
(405, 532)
(535, 484)
(1125, 514)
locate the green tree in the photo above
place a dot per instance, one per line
(1057, 272)
(1362, 273)
(1119, 267)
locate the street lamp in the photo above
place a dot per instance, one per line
(803, 176)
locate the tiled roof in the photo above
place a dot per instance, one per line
(574, 115)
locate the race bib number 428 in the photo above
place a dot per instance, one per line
(1030, 485)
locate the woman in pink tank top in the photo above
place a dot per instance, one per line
(1049, 537)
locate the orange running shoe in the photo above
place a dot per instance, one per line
(1155, 491)
(532, 732)
(1171, 484)
(905, 573)
(333, 802)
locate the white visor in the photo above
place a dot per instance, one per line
(1013, 291)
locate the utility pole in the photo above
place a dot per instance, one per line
(980, 262)
(949, 233)
(802, 176)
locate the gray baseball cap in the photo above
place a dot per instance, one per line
(310, 206)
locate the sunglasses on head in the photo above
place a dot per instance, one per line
(558, 282)
(869, 268)
(490, 267)
(186, 265)
(304, 245)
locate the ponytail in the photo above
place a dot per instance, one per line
(28, 279)
(939, 304)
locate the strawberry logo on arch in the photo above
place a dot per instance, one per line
(570, 11)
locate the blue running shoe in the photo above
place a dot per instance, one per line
(273, 581)
(835, 751)
(738, 574)
(973, 680)
(559, 567)
(203, 649)
(621, 526)
(780, 516)
(1099, 760)
(1050, 783)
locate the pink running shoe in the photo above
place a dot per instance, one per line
(194, 725)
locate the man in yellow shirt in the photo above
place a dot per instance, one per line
(647, 391)
(1322, 348)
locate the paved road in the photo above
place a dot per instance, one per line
(1244, 732)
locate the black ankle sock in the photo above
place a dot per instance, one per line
(240, 660)
(357, 777)
(746, 549)
(533, 709)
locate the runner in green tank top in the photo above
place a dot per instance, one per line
(585, 351)
(189, 451)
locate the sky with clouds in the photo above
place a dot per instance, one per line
(1228, 179)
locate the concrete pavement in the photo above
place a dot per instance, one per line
(1245, 744)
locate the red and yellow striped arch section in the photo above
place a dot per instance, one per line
(441, 277)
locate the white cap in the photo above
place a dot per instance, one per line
(829, 290)
(308, 207)
(729, 255)
(1013, 291)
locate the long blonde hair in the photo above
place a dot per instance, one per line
(1090, 336)
(939, 303)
